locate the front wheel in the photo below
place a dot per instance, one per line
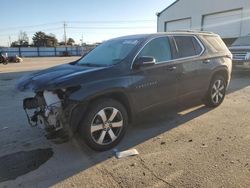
(104, 124)
(216, 92)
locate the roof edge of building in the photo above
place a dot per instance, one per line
(159, 13)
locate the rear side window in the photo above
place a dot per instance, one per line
(216, 44)
(187, 46)
(158, 48)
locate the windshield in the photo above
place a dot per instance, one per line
(109, 53)
(242, 41)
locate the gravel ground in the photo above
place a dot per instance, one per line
(190, 147)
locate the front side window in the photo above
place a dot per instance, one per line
(159, 49)
(187, 46)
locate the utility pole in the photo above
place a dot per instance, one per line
(82, 40)
(65, 36)
(9, 41)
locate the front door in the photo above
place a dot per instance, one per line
(155, 84)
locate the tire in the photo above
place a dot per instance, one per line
(104, 124)
(2, 59)
(216, 92)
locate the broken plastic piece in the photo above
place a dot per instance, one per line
(126, 153)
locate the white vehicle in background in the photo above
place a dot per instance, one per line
(241, 52)
(3, 59)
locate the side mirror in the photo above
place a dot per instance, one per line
(144, 61)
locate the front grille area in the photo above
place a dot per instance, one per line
(239, 55)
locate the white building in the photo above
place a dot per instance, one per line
(228, 18)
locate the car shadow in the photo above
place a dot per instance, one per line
(147, 126)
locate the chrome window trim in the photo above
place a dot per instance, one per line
(177, 59)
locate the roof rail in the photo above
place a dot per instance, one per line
(193, 31)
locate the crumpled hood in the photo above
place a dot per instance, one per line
(49, 78)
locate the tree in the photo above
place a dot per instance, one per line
(23, 38)
(70, 42)
(61, 43)
(42, 39)
(15, 44)
(39, 39)
(51, 40)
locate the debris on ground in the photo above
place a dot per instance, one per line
(133, 164)
(219, 138)
(190, 140)
(127, 153)
(204, 146)
(157, 138)
(163, 143)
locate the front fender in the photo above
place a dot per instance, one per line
(97, 88)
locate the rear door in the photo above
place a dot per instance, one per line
(194, 70)
(155, 84)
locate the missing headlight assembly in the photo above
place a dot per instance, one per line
(47, 108)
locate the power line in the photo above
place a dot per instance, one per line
(113, 21)
(87, 28)
(49, 29)
(29, 26)
(140, 27)
(92, 22)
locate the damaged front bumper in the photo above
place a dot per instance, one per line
(53, 113)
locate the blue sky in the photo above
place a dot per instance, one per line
(92, 20)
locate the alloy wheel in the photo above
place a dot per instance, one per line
(106, 126)
(218, 91)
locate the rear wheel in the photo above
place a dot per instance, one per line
(216, 92)
(104, 125)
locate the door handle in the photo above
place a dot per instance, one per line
(206, 61)
(171, 68)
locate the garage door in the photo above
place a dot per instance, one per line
(226, 24)
(178, 25)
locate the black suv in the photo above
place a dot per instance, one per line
(99, 94)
